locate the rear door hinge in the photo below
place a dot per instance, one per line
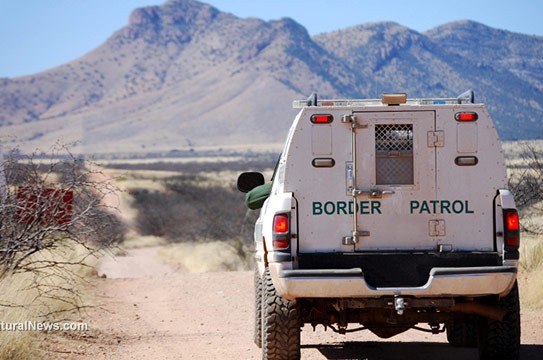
(436, 138)
(436, 228)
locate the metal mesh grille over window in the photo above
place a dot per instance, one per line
(394, 154)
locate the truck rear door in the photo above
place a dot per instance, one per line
(392, 180)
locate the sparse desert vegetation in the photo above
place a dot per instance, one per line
(193, 206)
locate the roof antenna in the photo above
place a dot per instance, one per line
(468, 95)
(312, 99)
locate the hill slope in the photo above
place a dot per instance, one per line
(186, 75)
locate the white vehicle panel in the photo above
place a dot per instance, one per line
(471, 227)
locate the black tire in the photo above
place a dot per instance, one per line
(501, 339)
(280, 324)
(463, 331)
(258, 309)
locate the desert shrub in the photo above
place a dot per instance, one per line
(526, 182)
(190, 209)
(526, 179)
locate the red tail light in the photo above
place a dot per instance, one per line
(511, 220)
(281, 231)
(280, 223)
(466, 116)
(321, 118)
(511, 229)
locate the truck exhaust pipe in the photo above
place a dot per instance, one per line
(474, 308)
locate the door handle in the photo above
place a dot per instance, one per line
(371, 193)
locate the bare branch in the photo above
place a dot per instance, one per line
(526, 183)
(48, 204)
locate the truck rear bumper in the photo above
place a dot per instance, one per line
(350, 283)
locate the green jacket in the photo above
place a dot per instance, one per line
(255, 198)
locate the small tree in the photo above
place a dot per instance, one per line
(46, 205)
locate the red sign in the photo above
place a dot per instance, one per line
(46, 206)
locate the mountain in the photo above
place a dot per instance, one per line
(186, 75)
(503, 68)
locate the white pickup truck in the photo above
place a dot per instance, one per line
(388, 214)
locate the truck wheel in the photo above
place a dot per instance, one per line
(462, 331)
(280, 324)
(258, 308)
(501, 339)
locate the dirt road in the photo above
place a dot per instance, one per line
(150, 311)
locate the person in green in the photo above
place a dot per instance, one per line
(255, 198)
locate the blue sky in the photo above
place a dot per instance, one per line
(36, 35)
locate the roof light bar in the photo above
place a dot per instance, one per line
(389, 99)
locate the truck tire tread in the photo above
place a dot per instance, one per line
(280, 324)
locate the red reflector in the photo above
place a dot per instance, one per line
(321, 118)
(280, 223)
(280, 244)
(511, 220)
(466, 116)
(512, 241)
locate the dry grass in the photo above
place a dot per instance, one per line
(514, 149)
(531, 259)
(22, 299)
(531, 269)
(531, 253)
(206, 257)
(17, 344)
(138, 242)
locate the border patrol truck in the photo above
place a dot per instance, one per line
(388, 215)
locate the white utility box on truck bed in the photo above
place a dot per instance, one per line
(386, 214)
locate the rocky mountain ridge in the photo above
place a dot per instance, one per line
(186, 75)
